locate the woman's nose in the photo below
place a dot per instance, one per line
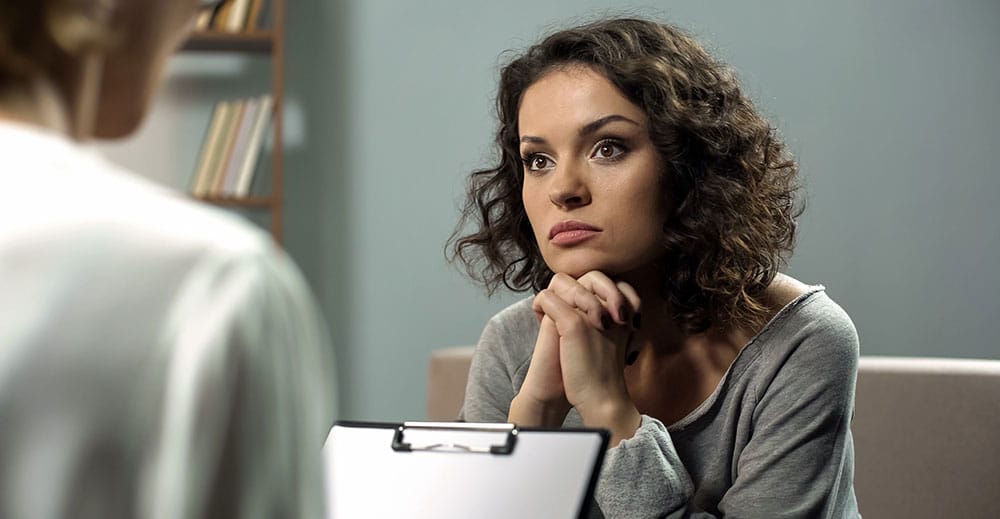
(569, 188)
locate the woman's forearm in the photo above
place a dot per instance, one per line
(528, 412)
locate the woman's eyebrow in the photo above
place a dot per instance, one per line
(592, 127)
(587, 129)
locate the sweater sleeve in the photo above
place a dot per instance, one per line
(798, 462)
(490, 388)
(800, 459)
(643, 476)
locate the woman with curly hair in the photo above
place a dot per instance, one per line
(648, 206)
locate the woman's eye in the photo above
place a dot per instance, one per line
(537, 162)
(608, 150)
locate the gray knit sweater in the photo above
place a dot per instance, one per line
(773, 440)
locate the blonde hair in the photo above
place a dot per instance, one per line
(36, 33)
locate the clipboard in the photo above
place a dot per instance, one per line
(445, 470)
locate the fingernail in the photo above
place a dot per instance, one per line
(636, 320)
(631, 358)
(623, 314)
(605, 321)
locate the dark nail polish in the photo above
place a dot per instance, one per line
(631, 358)
(636, 320)
(623, 314)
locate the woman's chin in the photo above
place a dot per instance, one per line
(577, 269)
(613, 269)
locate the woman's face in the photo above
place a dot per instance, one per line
(592, 177)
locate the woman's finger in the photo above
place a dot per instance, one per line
(581, 298)
(567, 318)
(622, 305)
(633, 300)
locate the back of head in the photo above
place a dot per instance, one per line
(88, 68)
(36, 36)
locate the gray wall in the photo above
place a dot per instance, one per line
(889, 107)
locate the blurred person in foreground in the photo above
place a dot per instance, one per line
(158, 358)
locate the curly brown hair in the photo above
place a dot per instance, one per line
(729, 180)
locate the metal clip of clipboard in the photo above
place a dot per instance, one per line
(509, 431)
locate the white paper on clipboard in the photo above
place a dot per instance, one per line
(426, 470)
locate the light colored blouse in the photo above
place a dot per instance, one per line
(158, 358)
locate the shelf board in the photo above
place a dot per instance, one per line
(217, 41)
(263, 202)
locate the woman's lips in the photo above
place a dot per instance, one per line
(571, 232)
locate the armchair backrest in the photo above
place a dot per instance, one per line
(446, 379)
(927, 437)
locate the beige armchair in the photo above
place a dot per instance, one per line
(446, 379)
(926, 432)
(927, 438)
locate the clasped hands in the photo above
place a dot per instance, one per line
(579, 357)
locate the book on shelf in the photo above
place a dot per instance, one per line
(210, 148)
(217, 152)
(235, 18)
(241, 139)
(255, 16)
(204, 20)
(232, 148)
(227, 152)
(265, 108)
(232, 16)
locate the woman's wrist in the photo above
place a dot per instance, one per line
(526, 411)
(621, 418)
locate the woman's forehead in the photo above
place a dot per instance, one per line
(571, 98)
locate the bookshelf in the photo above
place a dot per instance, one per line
(270, 42)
